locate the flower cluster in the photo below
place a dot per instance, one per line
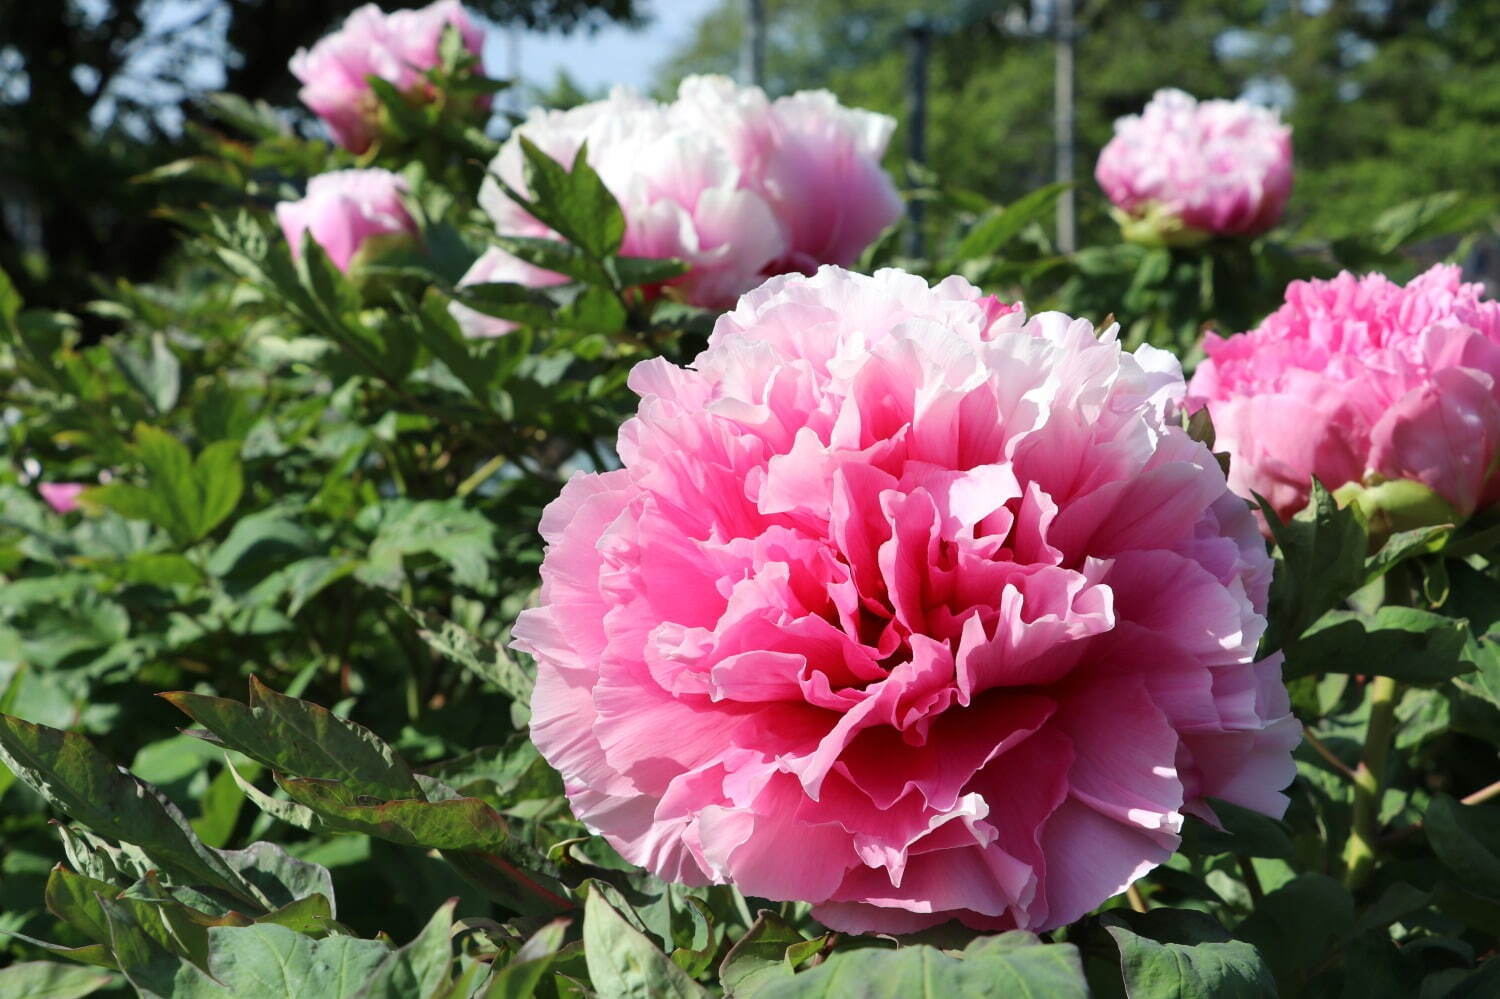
(399, 48)
(345, 209)
(736, 185)
(910, 606)
(1361, 380)
(1182, 170)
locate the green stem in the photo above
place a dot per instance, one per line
(1359, 851)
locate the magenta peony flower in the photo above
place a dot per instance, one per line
(61, 496)
(737, 186)
(1359, 380)
(345, 208)
(397, 48)
(1187, 170)
(907, 606)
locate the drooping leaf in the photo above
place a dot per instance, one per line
(67, 770)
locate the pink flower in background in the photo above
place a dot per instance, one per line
(498, 266)
(1360, 380)
(1215, 167)
(61, 496)
(816, 162)
(397, 48)
(345, 208)
(736, 186)
(909, 606)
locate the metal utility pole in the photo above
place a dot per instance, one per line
(1062, 25)
(753, 44)
(919, 44)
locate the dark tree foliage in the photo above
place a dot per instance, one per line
(91, 99)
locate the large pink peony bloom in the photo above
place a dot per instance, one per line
(735, 185)
(1360, 380)
(1215, 168)
(909, 606)
(343, 209)
(397, 48)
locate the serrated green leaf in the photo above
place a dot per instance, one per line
(66, 769)
(301, 738)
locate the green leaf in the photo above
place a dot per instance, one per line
(1323, 561)
(266, 961)
(297, 737)
(1294, 926)
(1196, 958)
(573, 201)
(487, 660)
(47, 980)
(1412, 645)
(454, 824)
(519, 977)
(624, 964)
(184, 497)
(1466, 838)
(69, 772)
(157, 376)
(630, 271)
(1248, 833)
(417, 969)
(760, 956)
(991, 233)
(1010, 964)
(514, 302)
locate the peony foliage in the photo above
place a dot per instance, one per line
(457, 577)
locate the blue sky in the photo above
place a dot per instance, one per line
(609, 56)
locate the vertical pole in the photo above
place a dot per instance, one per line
(1063, 122)
(919, 43)
(753, 44)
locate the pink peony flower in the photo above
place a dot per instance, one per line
(737, 186)
(1359, 380)
(61, 496)
(343, 209)
(816, 162)
(908, 607)
(1211, 168)
(397, 48)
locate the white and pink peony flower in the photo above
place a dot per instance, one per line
(736, 185)
(908, 605)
